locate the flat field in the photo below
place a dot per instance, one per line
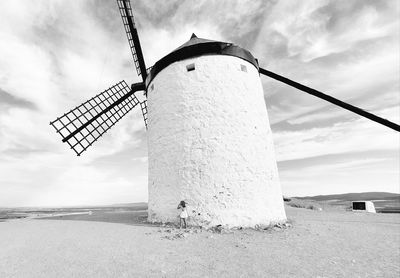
(118, 243)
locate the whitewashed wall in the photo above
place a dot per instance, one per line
(210, 144)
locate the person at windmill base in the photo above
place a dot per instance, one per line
(183, 215)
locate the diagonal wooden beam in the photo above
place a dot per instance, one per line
(332, 100)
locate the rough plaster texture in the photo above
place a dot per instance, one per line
(210, 144)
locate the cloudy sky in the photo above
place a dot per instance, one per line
(55, 54)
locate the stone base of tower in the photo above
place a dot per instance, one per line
(229, 218)
(232, 203)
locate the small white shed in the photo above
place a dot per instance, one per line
(367, 206)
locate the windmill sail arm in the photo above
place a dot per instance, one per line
(135, 87)
(332, 100)
(83, 125)
(125, 10)
(143, 107)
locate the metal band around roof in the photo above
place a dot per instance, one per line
(197, 47)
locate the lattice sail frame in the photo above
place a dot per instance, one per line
(89, 110)
(128, 31)
(143, 107)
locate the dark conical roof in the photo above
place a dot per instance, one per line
(194, 40)
(195, 47)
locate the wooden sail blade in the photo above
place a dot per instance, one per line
(332, 100)
(125, 10)
(83, 125)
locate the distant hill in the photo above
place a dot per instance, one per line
(366, 196)
(142, 204)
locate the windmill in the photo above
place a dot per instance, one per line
(209, 137)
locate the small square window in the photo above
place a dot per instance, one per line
(243, 68)
(190, 67)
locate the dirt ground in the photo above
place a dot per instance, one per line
(319, 244)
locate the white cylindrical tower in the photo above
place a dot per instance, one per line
(209, 139)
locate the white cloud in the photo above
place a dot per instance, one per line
(305, 24)
(66, 181)
(356, 135)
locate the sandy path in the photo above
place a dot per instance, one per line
(320, 244)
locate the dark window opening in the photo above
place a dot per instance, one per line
(190, 67)
(359, 205)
